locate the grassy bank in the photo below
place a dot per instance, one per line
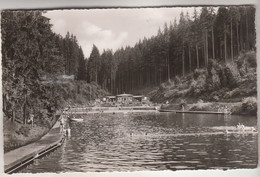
(17, 135)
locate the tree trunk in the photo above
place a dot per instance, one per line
(111, 81)
(24, 111)
(247, 40)
(183, 64)
(13, 115)
(231, 40)
(90, 93)
(189, 59)
(213, 46)
(96, 75)
(225, 44)
(168, 68)
(237, 40)
(197, 54)
(207, 49)
(160, 77)
(241, 36)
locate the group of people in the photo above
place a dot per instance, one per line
(225, 109)
(240, 127)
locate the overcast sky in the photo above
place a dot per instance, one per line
(112, 28)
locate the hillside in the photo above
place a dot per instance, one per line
(80, 92)
(219, 82)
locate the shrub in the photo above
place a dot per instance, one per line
(170, 93)
(200, 101)
(249, 105)
(198, 86)
(177, 80)
(214, 78)
(251, 58)
(246, 60)
(198, 72)
(232, 74)
(24, 130)
(215, 98)
(200, 106)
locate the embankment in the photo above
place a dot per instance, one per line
(232, 84)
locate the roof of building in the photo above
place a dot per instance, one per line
(111, 96)
(124, 95)
(138, 96)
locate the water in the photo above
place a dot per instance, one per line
(152, 141)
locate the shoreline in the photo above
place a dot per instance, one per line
(237, 108)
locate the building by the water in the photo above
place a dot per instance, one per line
(125, 98)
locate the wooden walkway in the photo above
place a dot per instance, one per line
(112, 112)
(15, 159)
(192, 112)
(201, 112)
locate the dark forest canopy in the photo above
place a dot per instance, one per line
(30, 52)
(177, 49)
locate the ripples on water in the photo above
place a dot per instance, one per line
(154, 141)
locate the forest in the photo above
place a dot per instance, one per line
(179, 48)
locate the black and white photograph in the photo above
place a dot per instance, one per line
(129, 89)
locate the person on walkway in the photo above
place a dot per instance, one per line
(61, 124)
(225, 110)
(66, 128)
(30, 121)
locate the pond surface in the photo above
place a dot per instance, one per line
(152, 141)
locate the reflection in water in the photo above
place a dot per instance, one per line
(157, 141)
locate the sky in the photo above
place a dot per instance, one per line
(112, 28)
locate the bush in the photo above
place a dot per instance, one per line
(249, 105)
(200, 101)
(215, 98)
(177, 80)
(250, 57)
(24, 130)
(246, 60)
(232, 74)
(198, 72)
(215, 81)
(198, 86)
(200, 106)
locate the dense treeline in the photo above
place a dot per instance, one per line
(30, 52)
(178, 49)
